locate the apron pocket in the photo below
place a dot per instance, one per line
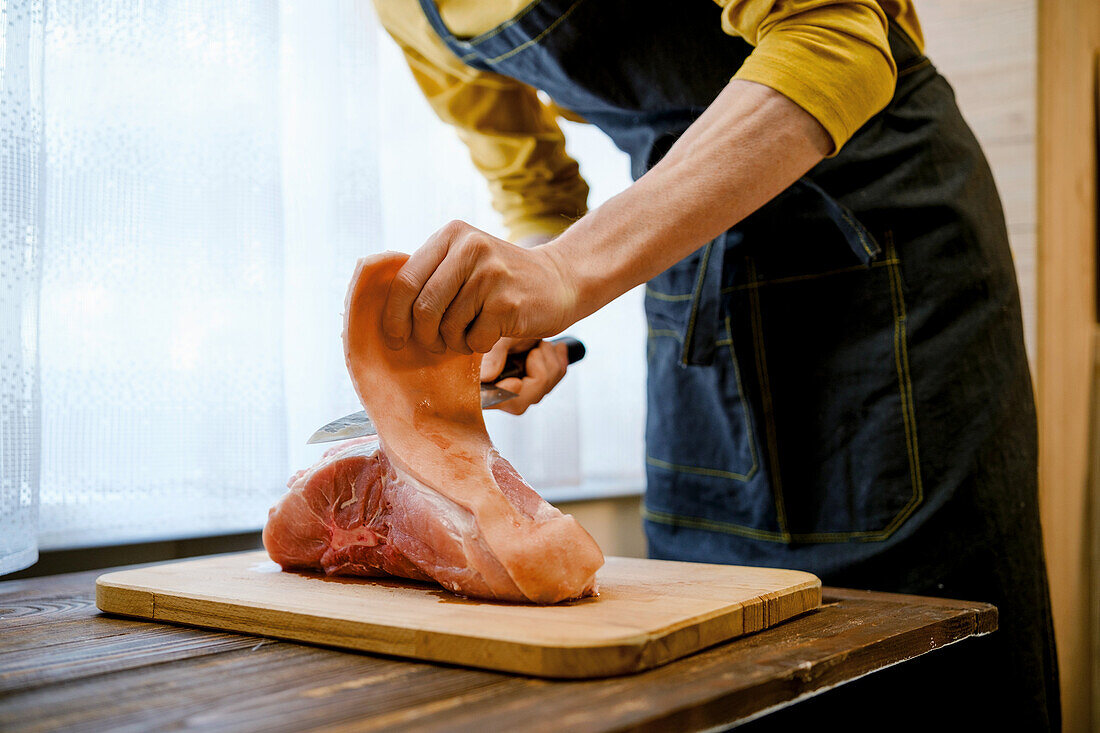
(834, 391)
(804, 428)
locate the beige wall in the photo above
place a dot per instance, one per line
(616, 524)
(987, 49)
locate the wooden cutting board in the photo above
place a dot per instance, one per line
(649, 612)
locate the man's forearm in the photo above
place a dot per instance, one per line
(749, 145)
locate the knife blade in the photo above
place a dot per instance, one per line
(359, 424)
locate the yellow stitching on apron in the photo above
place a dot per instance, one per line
(536, 39)
(800, 278)
(689, 334)
(666, 296)
(750, 432)
(679, 520)
(476, 40)
(713, 472)
(678, 297)
(766, 398)
(655, 332)
(713, 525)
(905, 385)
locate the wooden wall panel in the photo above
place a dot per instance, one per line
(1069, 40)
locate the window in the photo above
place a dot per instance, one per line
(184, 192)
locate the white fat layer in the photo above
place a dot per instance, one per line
(365, 450)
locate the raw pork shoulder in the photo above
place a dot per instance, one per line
(430, 499)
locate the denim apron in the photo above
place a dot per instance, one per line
(838, 383)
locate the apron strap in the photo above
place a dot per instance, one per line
(855, 234)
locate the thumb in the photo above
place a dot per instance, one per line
(492, 363)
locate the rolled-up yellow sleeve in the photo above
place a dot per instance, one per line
(514, 139)
(830, 57)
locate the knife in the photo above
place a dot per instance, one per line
(359, 424)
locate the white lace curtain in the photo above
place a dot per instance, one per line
(184, 188)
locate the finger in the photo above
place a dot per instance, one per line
(516, 405)
(397, 319)
(436, 297)
(553, 373)
(460, 313)
(497, 359)
(539, 380)
(484, 331)
(545, 367)
(546, 372)
(562, 353)
(515, 344)
(557, 361)
(511, 384)
(536, 369)
(492, 363)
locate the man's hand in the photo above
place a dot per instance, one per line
(465, 289)
(545, 367)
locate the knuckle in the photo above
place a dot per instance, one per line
(423, 308)
(454, 336)
(403, 284)
(449, 326)
(506, 304)
(453, 229)
(392, 320)
(475, 245)
(496, 269)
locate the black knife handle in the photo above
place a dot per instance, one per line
(516, 363)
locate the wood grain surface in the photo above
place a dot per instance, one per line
(65, 666)
(648, 613)
(1069, 41)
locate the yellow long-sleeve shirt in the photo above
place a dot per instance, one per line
(830, 57)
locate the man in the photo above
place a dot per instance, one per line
(837, 380)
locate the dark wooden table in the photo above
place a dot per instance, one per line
(65, 666)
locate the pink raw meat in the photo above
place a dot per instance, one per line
(431, 499)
